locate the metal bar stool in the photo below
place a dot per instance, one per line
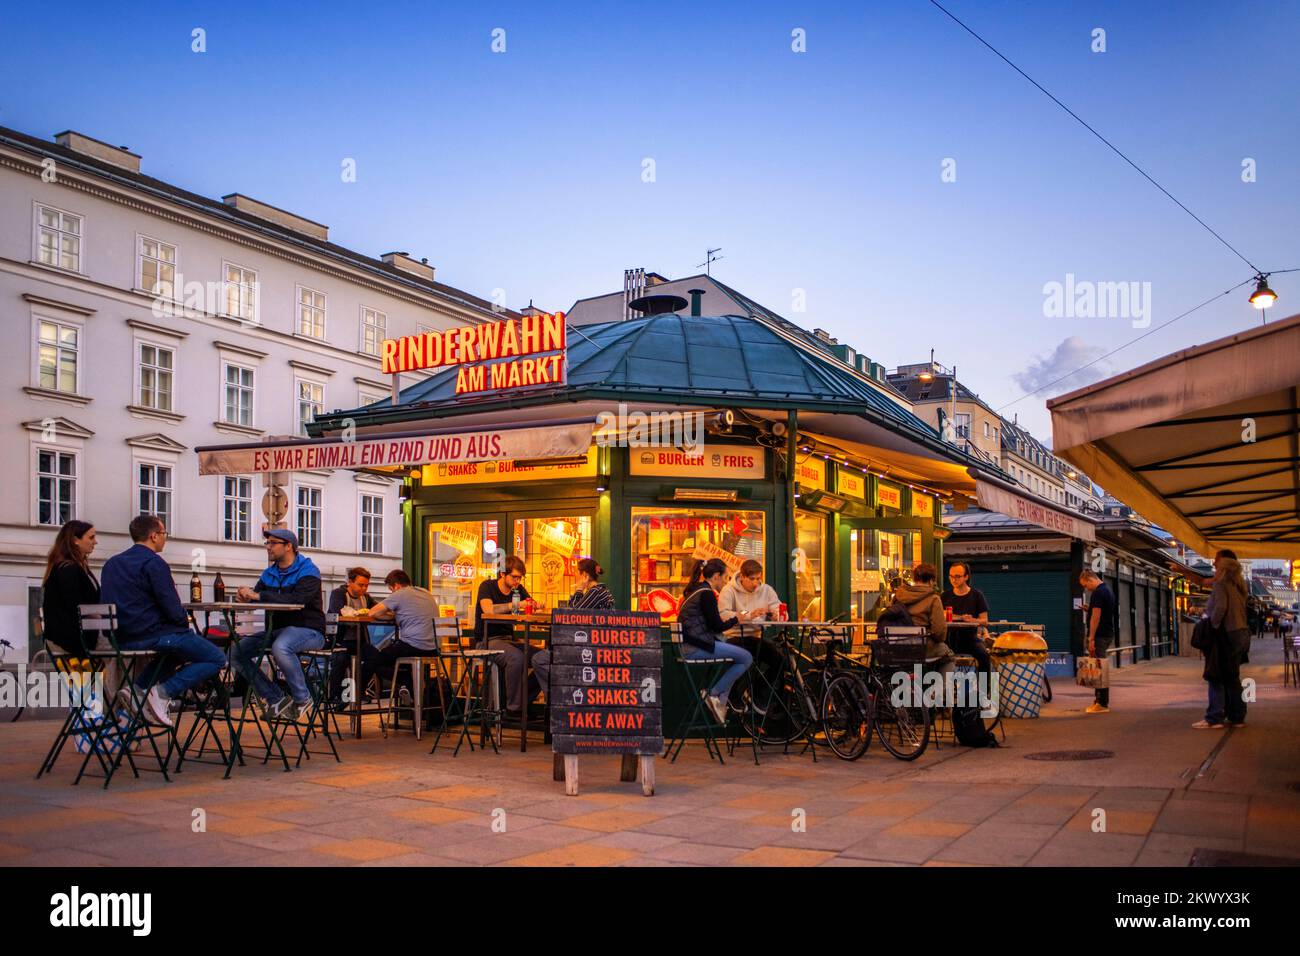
(482, 700)
(695, 718)
(318, 665)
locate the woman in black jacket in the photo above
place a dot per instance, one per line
(68, 583)
(702, 628)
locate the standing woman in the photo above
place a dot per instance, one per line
(702, 628)
(590, 595)
(68, 583)
(1226, 610)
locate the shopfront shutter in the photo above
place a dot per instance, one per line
(1035, 597)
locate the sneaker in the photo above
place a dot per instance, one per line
(124, 701)
(750, 702)
(1206, 725)
(1095, 708)
(155, 708)
(719, 708)
(282, 709)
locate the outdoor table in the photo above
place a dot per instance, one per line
(229, 609)
(541, 621)
(963, 638)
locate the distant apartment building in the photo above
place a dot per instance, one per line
(145, 320)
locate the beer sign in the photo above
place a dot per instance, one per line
(606, 689)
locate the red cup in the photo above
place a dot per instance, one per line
(783, 612)
(947, 614)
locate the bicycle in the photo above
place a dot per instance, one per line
(39, 658)
(860, 700)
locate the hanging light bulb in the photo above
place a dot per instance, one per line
(1263, 297)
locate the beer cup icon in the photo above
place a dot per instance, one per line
(588, 675)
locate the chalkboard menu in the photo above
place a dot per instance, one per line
(606, 693)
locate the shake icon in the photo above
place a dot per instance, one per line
(578, 696)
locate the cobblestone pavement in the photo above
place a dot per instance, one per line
(1167, 792)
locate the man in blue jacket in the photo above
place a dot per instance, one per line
(291, 578)
(150, 617)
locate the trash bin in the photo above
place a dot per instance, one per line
(1021, 660)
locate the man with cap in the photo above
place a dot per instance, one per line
(291, 578)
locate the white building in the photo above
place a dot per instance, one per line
(258, 323)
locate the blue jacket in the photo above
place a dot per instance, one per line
(140, 583)
(299, 583)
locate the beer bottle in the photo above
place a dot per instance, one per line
(218, 589)
(196, 589)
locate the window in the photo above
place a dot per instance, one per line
(987, 430)
(369, 398)
(963, 425)
(373, 327)
(372, 524)
(311, 313)
(241, 293)
(156, 377)
(237, 509)
(311, 402)
(58, 350)
(157, 267)
(154, 486)
(239, 395)
(664, 542)
(56, 487)
(309, 516)
(58, 239)
(550, 548)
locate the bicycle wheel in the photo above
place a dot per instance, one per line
(846, 716)
(779, 715)
(903, 731)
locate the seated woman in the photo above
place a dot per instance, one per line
(926, 607)
(702, 628)
(590, 594)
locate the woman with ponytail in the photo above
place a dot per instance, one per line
(702, 627)
(590, 595)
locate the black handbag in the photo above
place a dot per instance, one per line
(1203, 635)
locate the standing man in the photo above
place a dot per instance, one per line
(150, 617)
(968, 607)
(291, 578)
(414, 610)
(1100, 631)
(354, 638)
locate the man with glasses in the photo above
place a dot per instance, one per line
(150, 617)
(968, 607)
(497, 597)
(290, 578)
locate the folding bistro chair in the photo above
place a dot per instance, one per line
(318, 665)
(479, 690)
(245, 623)
(695, 718)
(100, 621)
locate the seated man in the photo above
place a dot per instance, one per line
(291, 578)
(968, 607)
(414, 610)
(354, 637)
(926, 608)
(150, 617)
(747, 598)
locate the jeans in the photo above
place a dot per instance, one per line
(286, 644)
(200, 661)
(741, 660)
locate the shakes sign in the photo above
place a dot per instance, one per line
(494, 356)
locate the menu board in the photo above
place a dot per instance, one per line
(811, 473)
(606, 688)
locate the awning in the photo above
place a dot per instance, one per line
(1003, 500)
(436, 446)
(1204, 442)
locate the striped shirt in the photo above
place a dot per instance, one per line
(597, 596)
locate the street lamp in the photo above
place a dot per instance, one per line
(1263, 297)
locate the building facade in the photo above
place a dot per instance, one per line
(143, 321)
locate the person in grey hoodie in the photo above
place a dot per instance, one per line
(922, 601)
(1226, 610)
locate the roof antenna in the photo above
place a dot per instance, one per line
(709, 259)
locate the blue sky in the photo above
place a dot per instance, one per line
(817, 171)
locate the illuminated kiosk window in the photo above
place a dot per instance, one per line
(551, 549)
(809, 575)
(666, 543)
(866, 584)
(461, 555)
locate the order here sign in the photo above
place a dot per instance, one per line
(555, 441)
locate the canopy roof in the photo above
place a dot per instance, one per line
(1205, 442)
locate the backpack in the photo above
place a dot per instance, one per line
(968, 728)
(896, 615)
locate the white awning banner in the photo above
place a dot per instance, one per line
(992, 497)
(488, 444)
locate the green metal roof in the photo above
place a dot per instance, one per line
(690, 359)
